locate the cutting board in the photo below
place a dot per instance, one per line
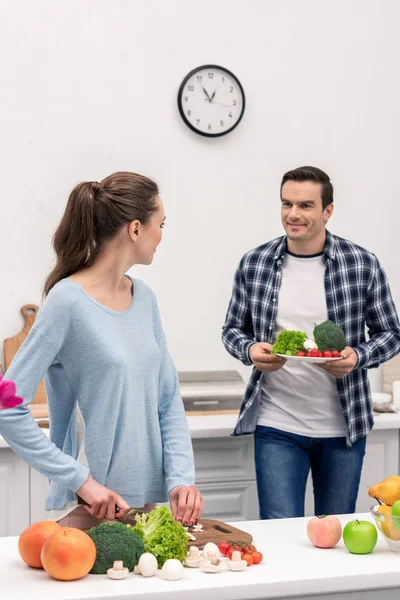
(13, 344)
(217, 531)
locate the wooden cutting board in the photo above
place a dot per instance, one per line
(13, 344)
(218, 531)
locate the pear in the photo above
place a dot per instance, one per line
(387, 491)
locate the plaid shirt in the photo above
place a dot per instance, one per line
(357, 295)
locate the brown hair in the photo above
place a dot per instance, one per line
(312, 174)
(94, 214)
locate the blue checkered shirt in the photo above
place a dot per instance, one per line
(358, 297)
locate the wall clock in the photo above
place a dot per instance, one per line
(211, 100)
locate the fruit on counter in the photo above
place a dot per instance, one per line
(118, 571)
(172, 569)
(360, 537)
(162, 535)
(257, 557)
(147, 565)
(396, 513)
(31, 541)
(289, 342)
(387, 491)
(324, 531)
(387, 524)
(244, 548)
(223, 547)
(248, 557)
(115, 541)
(329, 336)
(68, 554)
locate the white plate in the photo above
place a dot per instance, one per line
(310, 359)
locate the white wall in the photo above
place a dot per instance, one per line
(89, 87)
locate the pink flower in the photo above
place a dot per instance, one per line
(8, 399)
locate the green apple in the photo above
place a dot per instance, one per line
(396, 513)
(360, 537)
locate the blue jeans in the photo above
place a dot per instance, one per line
(283, 461)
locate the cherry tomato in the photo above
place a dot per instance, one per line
(327, 354)
(233, 549)
(335, 354)
(300, 353)
(313, 352)
(251, 549)
(223, 547)
(257, 558)
(248, 558)
(320, 353)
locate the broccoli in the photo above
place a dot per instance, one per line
(329, 336)
(162, 535)
(289, 342)
(115, 541)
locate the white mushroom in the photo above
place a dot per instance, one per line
(117, 571)
(172, 569)
(210, 567)
(309, 345)
(193, 558)
(210, 547)
(147, 565)
(237, 564)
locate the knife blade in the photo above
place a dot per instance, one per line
(128, 519)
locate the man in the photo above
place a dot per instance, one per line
(309, 416)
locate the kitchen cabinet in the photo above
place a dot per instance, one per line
(14, 493)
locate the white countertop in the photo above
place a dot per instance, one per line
(291, 567)
(218, 426)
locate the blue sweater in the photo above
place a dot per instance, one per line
(115, 367)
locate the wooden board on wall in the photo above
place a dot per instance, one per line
(13, 344)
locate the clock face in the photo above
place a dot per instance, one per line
(211, 100)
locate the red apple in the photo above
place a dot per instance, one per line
(323, 531)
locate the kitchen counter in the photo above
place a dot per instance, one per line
(291, 568)
(220, 426)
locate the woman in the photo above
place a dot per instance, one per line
(119, 436)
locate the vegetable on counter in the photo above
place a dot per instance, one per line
(172, 569)
(289, 342)
(147, 565)
(115, 542)
(117, 571)
(329, 336)
(162, 535)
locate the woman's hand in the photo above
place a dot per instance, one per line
(186, 504)
(102, 502)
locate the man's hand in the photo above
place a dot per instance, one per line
(263, 360)
(186, 504)
(102, 502)
(341, 368)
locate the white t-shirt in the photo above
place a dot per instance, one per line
(301, 398)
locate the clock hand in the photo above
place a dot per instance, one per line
(206, 93)
(212, 97)
(219, 103)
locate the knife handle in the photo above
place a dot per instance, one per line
(84, 503)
